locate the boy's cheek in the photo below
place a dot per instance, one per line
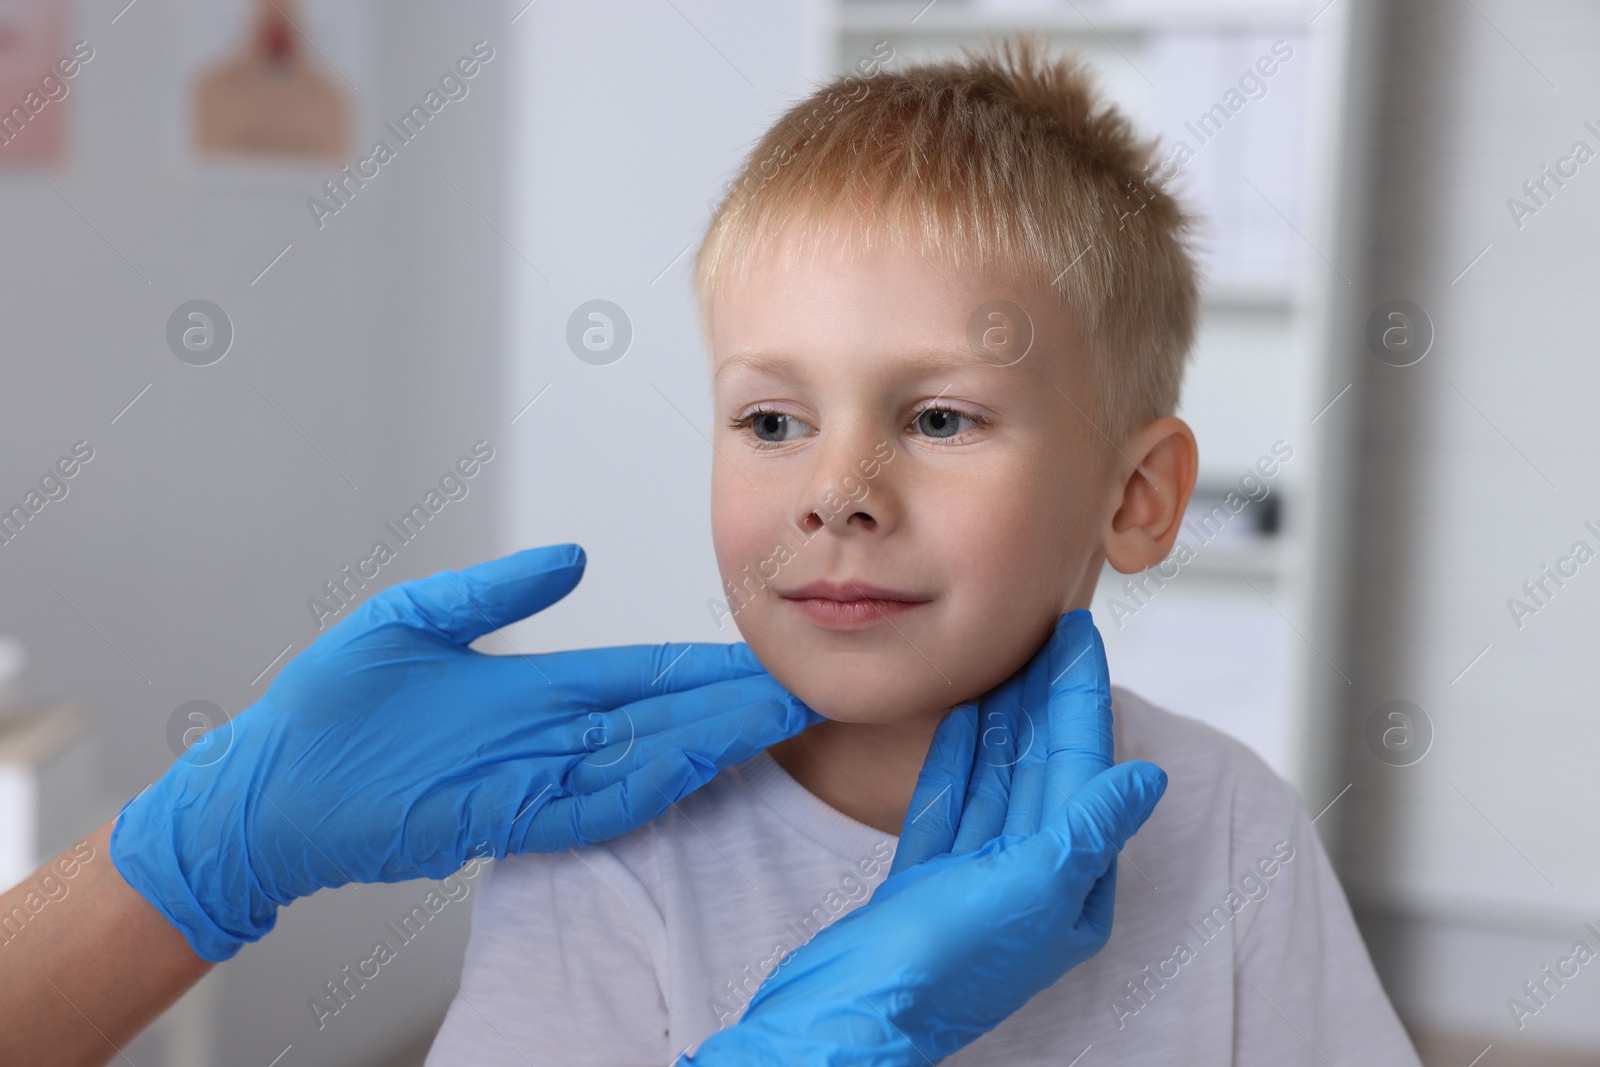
(748, 522)
(740, 539)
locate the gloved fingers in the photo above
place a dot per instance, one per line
(1001, 725)
(1080, 745)
(983, 816)
(606, 693)
(1010, 738)
(1111, 807)
(1016, 713)
(1025, 811)
(462, 606)
(528, 821)
(573, 821)
(1099, 906)
(680, 666)
(901, 880)
(936, 803)
(609, 678)
(747, 717)
(1049, 877)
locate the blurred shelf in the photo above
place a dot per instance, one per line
(1245, 297)
(1259, 561)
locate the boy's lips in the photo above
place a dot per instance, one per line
(851, 605)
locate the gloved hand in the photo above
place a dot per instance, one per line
(985, 770)
(950, 947)
(389, 750)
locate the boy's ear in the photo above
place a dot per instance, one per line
(1155, 475)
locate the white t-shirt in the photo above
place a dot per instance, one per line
(1232, 941)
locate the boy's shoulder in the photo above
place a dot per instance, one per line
(1214, 777)
(1143, 730)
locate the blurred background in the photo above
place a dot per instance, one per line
(256, 341)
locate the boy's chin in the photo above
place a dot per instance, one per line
(876, 705)
(868, 685)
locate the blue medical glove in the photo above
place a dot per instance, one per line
(390, 750)
(949, 948)
(985, 769)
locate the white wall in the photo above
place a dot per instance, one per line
(1478, 865)
(204, 522)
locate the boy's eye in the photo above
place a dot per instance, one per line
(943, 422)
(775, 428)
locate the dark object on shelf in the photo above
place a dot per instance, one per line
(1223, 513)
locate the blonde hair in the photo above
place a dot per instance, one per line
(1008, 159)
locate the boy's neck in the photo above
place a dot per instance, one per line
(868, 771)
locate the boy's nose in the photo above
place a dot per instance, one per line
(848, 491)
(820, 517)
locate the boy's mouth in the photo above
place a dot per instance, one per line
(851, 605)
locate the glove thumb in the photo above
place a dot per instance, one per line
(1114, 804)
(465, 605)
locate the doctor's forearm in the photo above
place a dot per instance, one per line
(85, 961)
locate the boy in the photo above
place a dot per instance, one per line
(947, 327)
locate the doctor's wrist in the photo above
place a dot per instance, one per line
(164, 856)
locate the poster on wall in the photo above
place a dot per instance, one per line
(268, 91)
(37, 67)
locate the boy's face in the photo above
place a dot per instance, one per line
(919, 516)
